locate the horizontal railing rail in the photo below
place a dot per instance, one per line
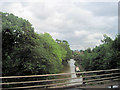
(88, 77)
(58, 74)
(56, 79)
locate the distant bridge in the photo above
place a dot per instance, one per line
(61, 80)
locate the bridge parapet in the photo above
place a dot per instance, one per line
(60, 80)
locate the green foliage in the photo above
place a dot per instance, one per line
(105, 56)
(26, 52)
(66, 51)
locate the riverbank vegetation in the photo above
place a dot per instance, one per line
(104, 56)
(26, 52)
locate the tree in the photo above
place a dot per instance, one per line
(26, 52)
(106, 39)
(104, 56)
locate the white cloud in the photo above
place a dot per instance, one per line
(81, 26)
(81, 33)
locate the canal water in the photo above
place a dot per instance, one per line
(70, 68)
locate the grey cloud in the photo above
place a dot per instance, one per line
(100, 8)
(81, 24)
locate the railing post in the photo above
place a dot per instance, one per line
(54, 80)
(111, 86)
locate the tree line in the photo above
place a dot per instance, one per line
(26, 52)
(104, 56)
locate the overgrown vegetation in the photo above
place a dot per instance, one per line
(104, 56)
(26, 52)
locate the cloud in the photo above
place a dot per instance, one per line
(100, 8)
(81, 33)
(82, 24)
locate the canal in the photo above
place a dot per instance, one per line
(70, 68)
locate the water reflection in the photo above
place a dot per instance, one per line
(72, 70)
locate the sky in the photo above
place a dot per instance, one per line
(82, 24)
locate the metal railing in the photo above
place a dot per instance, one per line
(60, 80)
